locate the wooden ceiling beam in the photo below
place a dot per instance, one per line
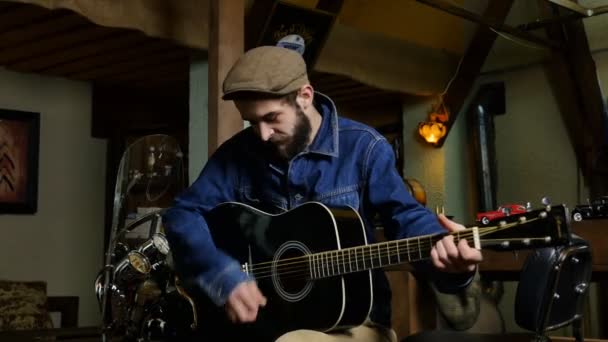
(133, 65)
(472, 61)
(489, 22)
(5, 6)
(114, 44)
(19, 15)
(54, 44)
(94, 62)
(42, 29)
(579, 95)
(61, 42)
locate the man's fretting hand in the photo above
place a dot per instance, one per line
(454, 258)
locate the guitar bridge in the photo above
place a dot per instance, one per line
(245, 267)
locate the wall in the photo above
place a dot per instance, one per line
(534, 156)
(422, 161)
(62, 243)
(443, 172)
(545, 163)
(198, 125)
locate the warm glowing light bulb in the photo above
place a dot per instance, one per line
(432, 132)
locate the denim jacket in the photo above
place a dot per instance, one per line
(347, 163)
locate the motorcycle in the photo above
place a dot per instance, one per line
(139, 293)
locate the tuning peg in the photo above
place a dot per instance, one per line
(546, 202)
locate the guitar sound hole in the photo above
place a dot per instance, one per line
(291, 271)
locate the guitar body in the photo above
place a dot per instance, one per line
(260, 240)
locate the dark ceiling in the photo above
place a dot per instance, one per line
(62, 43)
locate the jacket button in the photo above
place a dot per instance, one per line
(298, 197)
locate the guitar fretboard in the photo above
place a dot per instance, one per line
(379, 255)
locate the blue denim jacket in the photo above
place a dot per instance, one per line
(348, 163)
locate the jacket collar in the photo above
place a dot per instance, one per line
(326, 141)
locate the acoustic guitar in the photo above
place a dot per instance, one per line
(313, 262)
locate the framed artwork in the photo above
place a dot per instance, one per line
(310, 25)
(19, 144)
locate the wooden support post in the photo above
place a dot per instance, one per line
(226, 42)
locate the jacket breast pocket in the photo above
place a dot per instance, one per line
(347, 196)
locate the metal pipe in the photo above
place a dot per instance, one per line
(485, 169)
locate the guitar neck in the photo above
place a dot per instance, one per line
(540, 228)
(380, 255)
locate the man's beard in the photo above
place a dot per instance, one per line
(298, 142)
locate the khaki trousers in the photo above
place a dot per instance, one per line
(368, 332)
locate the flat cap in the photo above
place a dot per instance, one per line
(266, 69)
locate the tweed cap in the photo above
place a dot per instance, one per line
(266, 69)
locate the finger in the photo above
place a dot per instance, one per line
(247, 315)
(258, 294)
(244, 304)
(442, 255)
(470, 257)
(450, 248)
(248, 298)
(449, 224)
(469, 253)
(240, 312)
(255, 295)
(435, 258)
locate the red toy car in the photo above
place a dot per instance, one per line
(502, 211)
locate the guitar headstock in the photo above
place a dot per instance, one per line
(544, 227)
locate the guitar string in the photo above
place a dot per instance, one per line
(342, 266)
(304, 272)
(338, 259)
(328, 258)
(413, 245)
